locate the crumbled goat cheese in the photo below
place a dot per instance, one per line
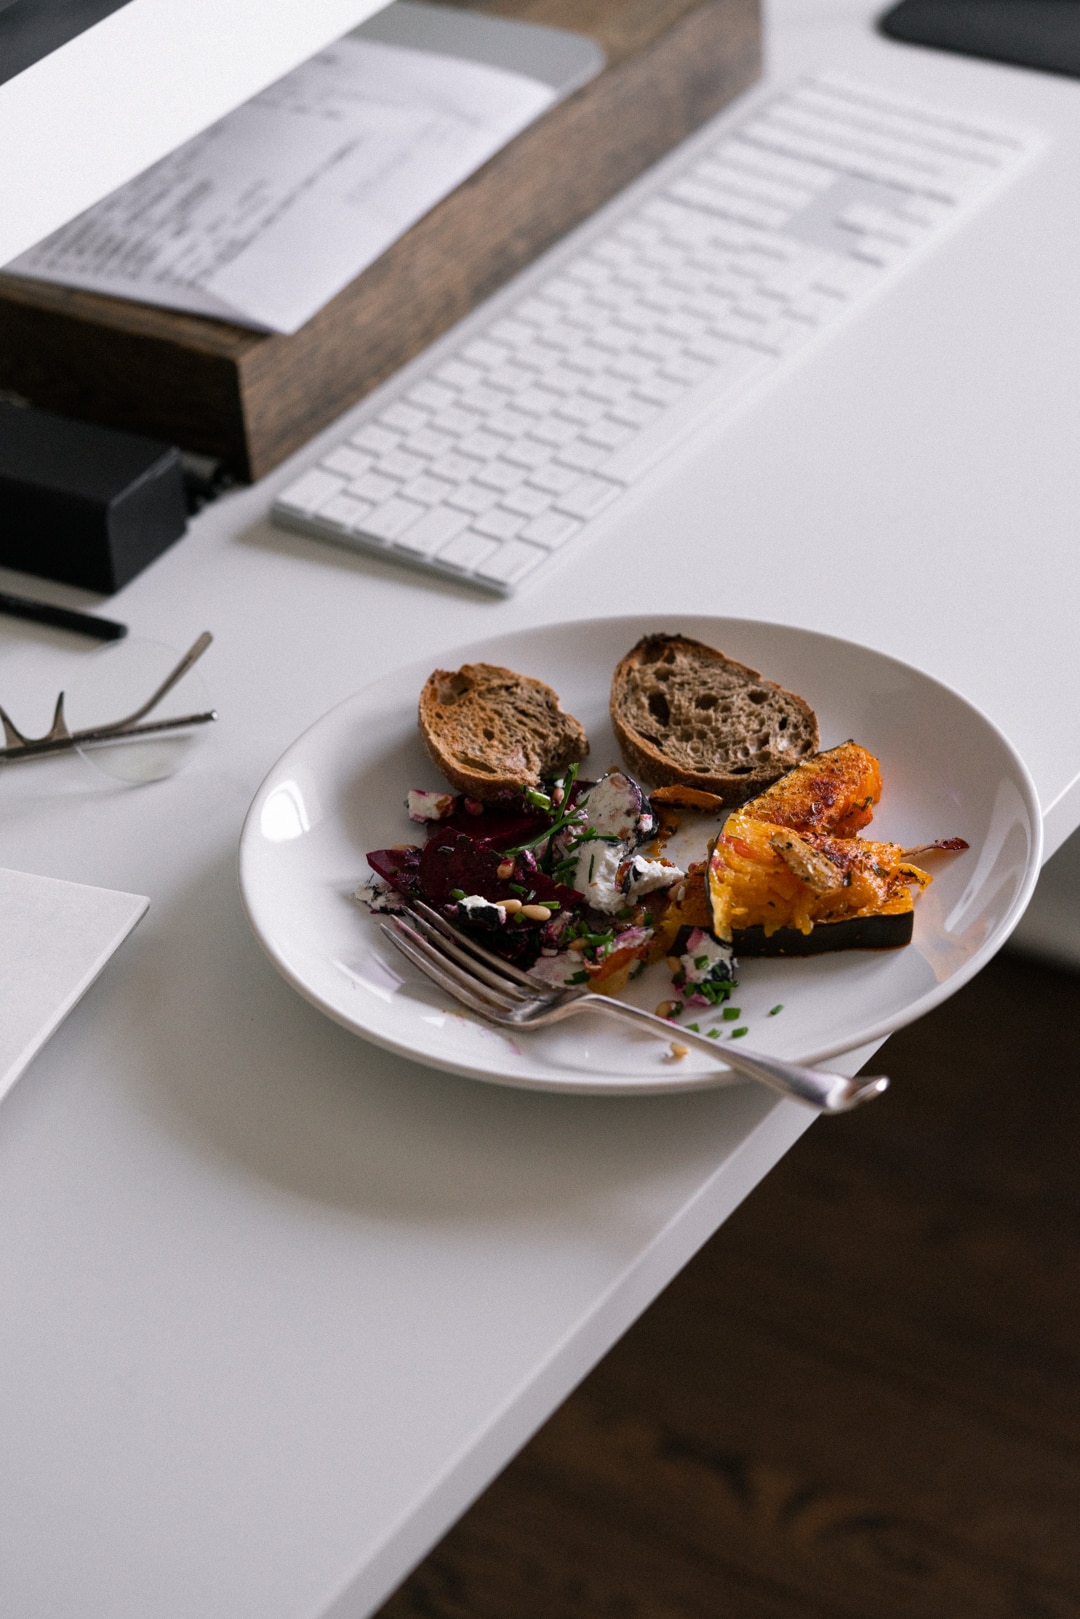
(380, 899)
(423, 806)
(479, 909)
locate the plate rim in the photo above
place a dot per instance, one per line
(569, 1082)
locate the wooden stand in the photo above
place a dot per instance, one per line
(251, 399)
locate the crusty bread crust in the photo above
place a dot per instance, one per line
(685, 714)
(492, 731)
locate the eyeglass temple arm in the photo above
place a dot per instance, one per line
(191, 656)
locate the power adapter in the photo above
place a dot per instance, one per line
(85, 504)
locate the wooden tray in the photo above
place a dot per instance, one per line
(251, 399)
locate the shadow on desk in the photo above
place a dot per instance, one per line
(859, 1401)
(316, 1113)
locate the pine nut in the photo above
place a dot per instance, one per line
(679, 1051)
(536, 913)
(667, 1008)
(510, 906)
(505, 870)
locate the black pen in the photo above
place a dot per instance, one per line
(65, 618)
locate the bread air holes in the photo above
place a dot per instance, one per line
(706, 701)
(450, 689)
(659, 707)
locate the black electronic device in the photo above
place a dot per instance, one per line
(85, 504)
(1043, 34)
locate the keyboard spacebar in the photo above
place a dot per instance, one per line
(703, 404)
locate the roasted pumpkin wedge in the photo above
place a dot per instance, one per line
(832, 792)
(787, 875)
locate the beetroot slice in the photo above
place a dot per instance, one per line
(399, 867)
(504, 828)
(455, 860)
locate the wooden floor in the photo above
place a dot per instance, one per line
(862, 1399)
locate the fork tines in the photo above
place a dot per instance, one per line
(429, 919)
(483, 981)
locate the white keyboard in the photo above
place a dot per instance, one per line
(492, 451)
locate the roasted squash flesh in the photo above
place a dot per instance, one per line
(832, 792)
(789, 859)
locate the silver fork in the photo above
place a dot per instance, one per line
(513, 999)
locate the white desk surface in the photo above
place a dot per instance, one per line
(276, 1305)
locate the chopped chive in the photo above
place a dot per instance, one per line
(714, 1034)
(695, 1027)
(737, 1034)
(457, 893)
(517, 888)
(774, 1009)
(731, 1013)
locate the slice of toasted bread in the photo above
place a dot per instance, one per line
(491, 731)
(684, 713)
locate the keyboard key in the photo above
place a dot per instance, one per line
(454, 421)
(431, 395)
(551, 529)
(511, 332)
(610, 435)
(555, 479)
(527, 500)
(686, 370)
(499, 523)
(467, 551)
(349, 462)
(386, 522)
(528, 452)
(511, 562)
(379, 440)
(512, 379)
(588, 497)
(474, 497)
(428, 443)
(456, 374)
(482, 400)
(660, 390)
(454, 467)
(432, 531)
(427, 490)
(583, 409)
(485, 354)
(404, 418)
(482, 445)
(634, 412)
(538, 312)
(511, 423)
(346, 513)
(538, 401)
(400, 464)
(501, 475)
(310, 492)
(374, 487)
(555, 430)
(583, 457)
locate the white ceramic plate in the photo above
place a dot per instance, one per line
(339, 791)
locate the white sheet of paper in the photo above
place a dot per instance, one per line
(55, 937)
(266, 215)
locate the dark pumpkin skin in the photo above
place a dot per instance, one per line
(885, 932)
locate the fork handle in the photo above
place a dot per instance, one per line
(815, 1087)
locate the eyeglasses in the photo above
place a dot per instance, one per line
(142, 745)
